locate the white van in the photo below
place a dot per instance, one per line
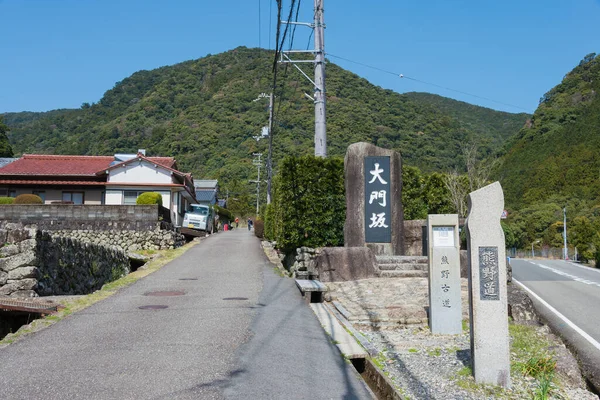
(199, 217)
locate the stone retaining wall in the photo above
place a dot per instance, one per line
(35, 263)
(70, 216)
(130, 240)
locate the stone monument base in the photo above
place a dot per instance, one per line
(338, 264)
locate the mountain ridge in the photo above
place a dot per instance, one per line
(202, 111)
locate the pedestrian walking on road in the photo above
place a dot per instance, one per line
(249, 224)
(237, 222)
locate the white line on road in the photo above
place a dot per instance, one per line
(582, 267)
(567, 321)
(559, 272)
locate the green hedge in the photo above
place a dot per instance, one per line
(6, 200)
(149, 198)
(309, 206)
(223, 213)
(259, 228)
(28, 199)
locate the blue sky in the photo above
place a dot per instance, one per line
(62, 53)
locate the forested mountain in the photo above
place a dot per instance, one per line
(557, 153)
(204, 112)
(5, 148)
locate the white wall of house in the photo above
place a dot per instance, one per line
(114, 197)
(89, 196)
(140, 172)
(128, 195)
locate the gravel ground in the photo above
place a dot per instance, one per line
(427, 366)
(391, 315)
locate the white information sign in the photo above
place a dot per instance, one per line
(443, 236)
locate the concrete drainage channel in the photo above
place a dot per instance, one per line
(351, 343)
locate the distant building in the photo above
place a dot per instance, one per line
(5, 161)
(117, 179)
(206, 191)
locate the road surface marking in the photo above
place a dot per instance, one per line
(586, 268)
(565, 274)
(567, 321)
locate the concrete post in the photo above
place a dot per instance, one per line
(445, 307)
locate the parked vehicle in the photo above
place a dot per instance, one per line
(200, 217)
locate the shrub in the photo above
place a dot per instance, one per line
(223, 213)
(259, 228)
(268, 223)
(6, 200)
(28, 199)
(309, 203)
(149, 198)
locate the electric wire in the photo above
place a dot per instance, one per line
(259, 44)
(402, 76)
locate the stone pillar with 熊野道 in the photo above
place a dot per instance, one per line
(490, 348)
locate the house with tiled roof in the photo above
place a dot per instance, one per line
(206, 191)
(105, 180)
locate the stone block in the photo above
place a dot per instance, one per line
(22, 273)
(23, 284)
(3, 277)
(17, 235)
(337, 264)
(355, 225)
(24, 294)
(7, 289)
(17, 261)
(27, 244)
(490, 350)
(9, 250)
(414, 238)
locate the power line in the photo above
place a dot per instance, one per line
(259, 44)
(402, 76)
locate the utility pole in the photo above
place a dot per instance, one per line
(270, 155)
(566, 253)
(320, 124)
(318, 26)
(258, 162)
(269, 134)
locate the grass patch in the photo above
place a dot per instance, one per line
(465, 325)
(107, 290)
(413, 350)
(434, 352)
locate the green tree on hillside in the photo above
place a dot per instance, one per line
(5, 148)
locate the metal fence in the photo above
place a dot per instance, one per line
(545, 252)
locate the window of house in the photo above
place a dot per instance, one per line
(130, 196)
(41, 194)
(75, 197)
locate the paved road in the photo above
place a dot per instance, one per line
(567, 296)
(239, 331)
(570, 289)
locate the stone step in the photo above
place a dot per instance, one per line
(403, 274)
(403, 267)
(345, 342)
(402, 260)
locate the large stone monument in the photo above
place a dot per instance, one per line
(490, 351)
(445, 307)
(374, 216)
